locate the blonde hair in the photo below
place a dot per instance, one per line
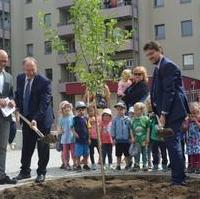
(140, 105)
(143, 70)
(194, 106)
(126, 72)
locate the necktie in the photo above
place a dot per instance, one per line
(26, 98)
(155, 78)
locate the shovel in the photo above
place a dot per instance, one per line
(164, 132)
(49, 138)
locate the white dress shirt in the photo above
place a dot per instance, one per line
(1, 81)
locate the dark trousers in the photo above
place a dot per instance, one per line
(30, 139)
(107, 151)
(158, 148)
(183, 151)
(94, 143)
(176, 154)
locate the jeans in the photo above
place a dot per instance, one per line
(144, 151)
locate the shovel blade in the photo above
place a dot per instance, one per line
(49, 139)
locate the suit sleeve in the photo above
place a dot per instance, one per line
(17, 97)
(45, 100)
(11, 94)
(169, 77)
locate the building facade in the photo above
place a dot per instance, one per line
(175, 24)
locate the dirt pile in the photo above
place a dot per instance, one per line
(123, 187)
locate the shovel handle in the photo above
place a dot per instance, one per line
(34, 128)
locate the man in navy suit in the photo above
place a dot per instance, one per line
(33, 99)
(170, 104)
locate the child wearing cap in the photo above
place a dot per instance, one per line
(131, 113)
(106, 137)
(67, 138)
(121, 134)
(80, 130)
(140, 134)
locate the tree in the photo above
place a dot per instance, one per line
(98, 39)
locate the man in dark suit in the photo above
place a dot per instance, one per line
(170, 104)
(33, 99)
(6, 91)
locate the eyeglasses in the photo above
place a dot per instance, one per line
(138, 74)
(80, 109)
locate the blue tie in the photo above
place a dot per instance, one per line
(26, 98)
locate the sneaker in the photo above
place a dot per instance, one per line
(136, 168)
(164, 168)
(67, 167)
(118, 168)
(155, 168)
(78, 168)
(62, 166)
(74, 167)
(86, 167)
(190, 170)
(145, 168)
(93, 167)
(197, 171)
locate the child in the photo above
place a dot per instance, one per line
(157, 144)
(80, 130)
(193, 141)
(131, 113)
(140, 134)
(93, 135)
(67, 139)
(124, 83)
(106, 137)
(121, 134)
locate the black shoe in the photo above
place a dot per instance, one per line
(78, 168)
(118, 168)
(22, 176)
(8, 180)
(178, 184)
(40, 178)
(86, 167)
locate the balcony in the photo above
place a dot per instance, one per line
(64, 59)
(4, 6)
(63, 3)
(4, 34)
(130, 45)
(64, 30)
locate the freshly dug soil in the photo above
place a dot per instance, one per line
(123, 187)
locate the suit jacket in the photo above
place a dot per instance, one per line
(40, 107)
(7, 89)
(167, 92)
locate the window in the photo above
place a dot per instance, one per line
(28, 1)
(29, 23)
(29, 50)
(159, 32)
(185, 1)
(186, 28)
(49, 73)
(47, 19)
(158, 3)
(188, 62)
(47, 47)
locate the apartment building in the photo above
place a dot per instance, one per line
(5, 28)
(175, 24)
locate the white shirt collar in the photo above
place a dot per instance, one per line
(158, 65)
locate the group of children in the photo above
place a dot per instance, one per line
(137, 128)
(133, 130)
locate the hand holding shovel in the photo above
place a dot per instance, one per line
(164, 132)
